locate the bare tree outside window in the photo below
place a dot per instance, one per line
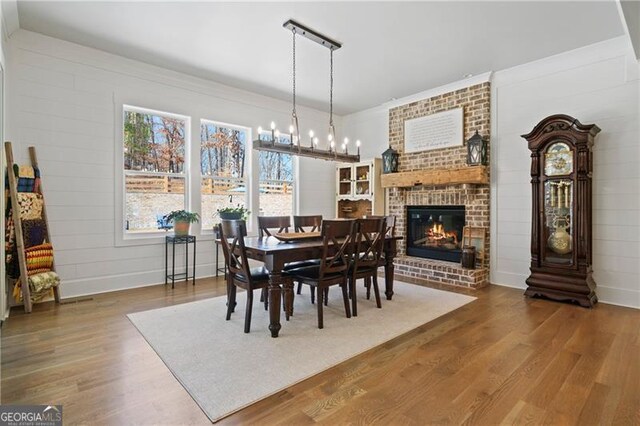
(222, 167)
(276, 181)
(154, 167)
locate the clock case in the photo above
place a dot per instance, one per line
(571, 281)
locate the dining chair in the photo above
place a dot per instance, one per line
(268, 223)
(337, 246)
(232, 233)
(307, 224)
(389, 232)
(366, 258)
(312, 223)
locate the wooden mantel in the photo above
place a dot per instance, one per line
(454, 176)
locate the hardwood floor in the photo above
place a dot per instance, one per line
(500, 359)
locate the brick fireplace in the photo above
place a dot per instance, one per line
(473, 197)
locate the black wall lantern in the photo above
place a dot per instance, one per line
(390, 161)
(476, 150)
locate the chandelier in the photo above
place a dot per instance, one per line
(273, 141)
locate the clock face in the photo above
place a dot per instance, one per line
(558, 160)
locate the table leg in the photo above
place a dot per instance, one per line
(166, 261)
(194, 262)
(388, 270)
(275, 293)
(186, 262)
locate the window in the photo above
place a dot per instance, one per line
(222, 167)
(155, 175)
(276, 181)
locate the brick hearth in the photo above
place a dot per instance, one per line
(475, 101)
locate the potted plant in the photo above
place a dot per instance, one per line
(234, 213)
(182, 221)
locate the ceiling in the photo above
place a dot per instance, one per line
(390, 50)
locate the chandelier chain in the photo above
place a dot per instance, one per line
(293, 113)
(331, 87)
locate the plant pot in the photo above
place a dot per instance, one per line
(230, 215)
(181, 227)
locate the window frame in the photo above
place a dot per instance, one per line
(248, 176)
(294, 177)
(123, 236)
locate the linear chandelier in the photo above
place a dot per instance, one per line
(295, 146)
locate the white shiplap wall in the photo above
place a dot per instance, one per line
(61, 100)
(596, 84)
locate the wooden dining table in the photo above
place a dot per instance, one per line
(275, 254)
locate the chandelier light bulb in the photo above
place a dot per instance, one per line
(277, 133)
(330, 137)
(315, 141)
(273, 125)
(346, 141)
(311, 134)
(259, 131)
(358, 143)
(291, 129)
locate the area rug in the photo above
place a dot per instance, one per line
(225, 370)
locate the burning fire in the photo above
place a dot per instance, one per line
(437, 233)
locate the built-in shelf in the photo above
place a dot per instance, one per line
(473, 175)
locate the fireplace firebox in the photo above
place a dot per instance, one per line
(435, 232)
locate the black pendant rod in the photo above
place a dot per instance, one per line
(312, 35)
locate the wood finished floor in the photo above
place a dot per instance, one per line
(502, 359)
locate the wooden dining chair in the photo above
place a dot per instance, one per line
(267, 224)
(307, 223)
(337, 246)
(366, 259)
(232, 233)
(389, 224)
(389, 232)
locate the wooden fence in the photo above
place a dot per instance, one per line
(211, 186)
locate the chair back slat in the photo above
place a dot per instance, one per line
(268, 223)
(369, 242)
(389, 223)
(337, 246)
(313, 223)
(232, 233)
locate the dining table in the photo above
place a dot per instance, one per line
(275, 254)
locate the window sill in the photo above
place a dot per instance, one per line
(142, 239)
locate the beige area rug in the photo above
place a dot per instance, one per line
(225, 370)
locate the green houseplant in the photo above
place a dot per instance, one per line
(182, 221)
(234, 213)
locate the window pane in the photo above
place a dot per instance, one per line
(222, 165)
(153, 142)
(222, 150)
(148, 198)
(218, 193)
(276, 183)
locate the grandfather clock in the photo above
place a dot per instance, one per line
(561, 166)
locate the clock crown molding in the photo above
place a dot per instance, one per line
(560, 123)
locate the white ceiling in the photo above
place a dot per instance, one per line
(390, 50)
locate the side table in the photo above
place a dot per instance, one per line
(173, 240)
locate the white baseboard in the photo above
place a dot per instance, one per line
(107, 284)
